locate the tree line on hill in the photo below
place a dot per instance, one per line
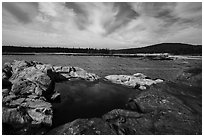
(171, 48)
(15, 49)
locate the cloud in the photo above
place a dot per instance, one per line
(101, 25)
(23, 12)
(162, 22)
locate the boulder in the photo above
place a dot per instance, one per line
(32, 81)
(137, 80)
(26, 107)
(60, 73)
(93, 126)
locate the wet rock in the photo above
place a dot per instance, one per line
(137, 80)
(94, 126)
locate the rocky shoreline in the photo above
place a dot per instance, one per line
(29, 91)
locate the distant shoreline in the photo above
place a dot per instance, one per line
(170, 48)
(114, 55)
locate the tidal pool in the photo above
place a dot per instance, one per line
(82, 99)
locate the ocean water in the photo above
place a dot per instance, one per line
(103, 66)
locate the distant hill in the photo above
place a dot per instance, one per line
(172, 48)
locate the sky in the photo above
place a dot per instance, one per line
(100, 25)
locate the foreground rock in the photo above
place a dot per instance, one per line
(168, 122)
(94, 126)
(25, 104)
(169, 115)
(28, 90)
(137, 80)
(154, 112)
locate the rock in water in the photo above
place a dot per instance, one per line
(94, 126)
(137, 80)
